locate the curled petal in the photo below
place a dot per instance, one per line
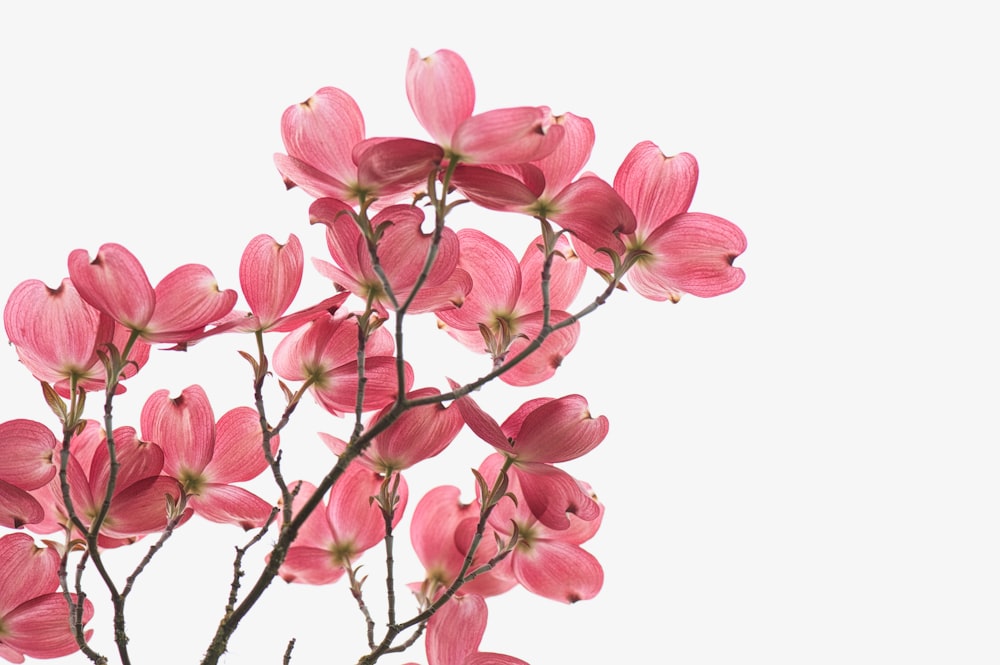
(141, 508)
(187, 300)
(593, 212)
(389, 166)
(17, 507)
(311, 180)
(570, 156)
(510, 189)
(507, 136)
(559, 430)
(558, 570)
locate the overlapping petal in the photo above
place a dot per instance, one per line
(270, 276)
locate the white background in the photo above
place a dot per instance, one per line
(802, 471)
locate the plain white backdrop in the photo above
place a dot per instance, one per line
(802, 471)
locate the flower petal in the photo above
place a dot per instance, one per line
(441, 93)
(114, 283)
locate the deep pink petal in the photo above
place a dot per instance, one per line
(507, 136)
(551, 495)
(311, 180)
(692, 253)
(559, 571)
(184, 427)
(137, 459)
(17, 507)
(593, 212)
(566, 277)
(482, 424)
(114, 283)
(558, 431)
(188, 299)
(228, 504)
(543, 363)
(322, 132)
(496, 282)
(509, 190)
(27, 571)
(270, 275)
(338, 391)
(356, 521)
(388, 166)
(455, 631)
(419, 433)
(239, 447)
(141, 508)
(441, 93)
(27, 453)
(310, 565)
(655, 186)
(432, 531)
(40, 628)
(489, 658)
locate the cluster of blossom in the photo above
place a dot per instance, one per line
(100, 486)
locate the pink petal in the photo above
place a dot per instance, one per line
(17, 507)
(509, 190)
(507, 136)
(270, 275)
(455, 631)
(322, 132)
(692, 253)
(482, 424)
(40, 628)
(27, 571)
(543, 363)
(560, 571)
(239, 447)
(356, 521)
(432, 531)
(310, 565)
(183, 427)
(338, 392)
(311, 180)
(388, 166)
(571, 154)
(228, 504)
(655, 186)
(188, 299)
(418, 434)
(54, 326)
(315, 531)
(27, 453)
(114, 283)
(551, 495)
(565, 280)
(496, 282)
(138, 460)
(559, 430)
(593, 212)
(141, 508)
(441, 93)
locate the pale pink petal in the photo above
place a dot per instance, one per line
(570, 156)
(27, 453)
(270, 275)
(357, 522)
(322, 132)
(441, 93)
(593, 212)
(496, 281)
(40, 628)
(114, 283)
(315, 531)
(432, 531)
(692, 253)
(655, 186)
(27, 571)
(559, 571)
(543, 363)
(507, 136)
(228, 504)
(184, 427)
(239, 447)
(16, 656)
(188, 299)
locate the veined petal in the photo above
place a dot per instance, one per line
(356, 521)
(141, 508)
(655, 186)
(27, 570)
(560, 571)
(27, 453)
(322, 132)
(455, 631)
(17, 507)
(692, 253)
(566, 277)
(239, 447)
(507, 136)
(496, 281)
(137, 460)
(570, 155)
(114, 283)
(546, 359)
(432, 531)
(418, 434)
(228, 504)
(188, 299)
(481, 423)
(388, 166)
(593, 212)
(551, 495)
(441, 93)
(559, 430)
(40, 628)
(310, 565)
(511, 189)
(183, 426)
(270, 275)
(311, 180)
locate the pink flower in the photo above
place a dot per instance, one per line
(441, 531)
(402, 252)
(419, 433)
(540, 433)
(206, 457)
(34, 617)
(328, 155)
(588, 207)
(325, 352)
(177, 310)
(58, 336)
(503, 311)
(28, 453)
(546, 561)
(341, 529)
(455, 631)
(685, 252)
(442, 96)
